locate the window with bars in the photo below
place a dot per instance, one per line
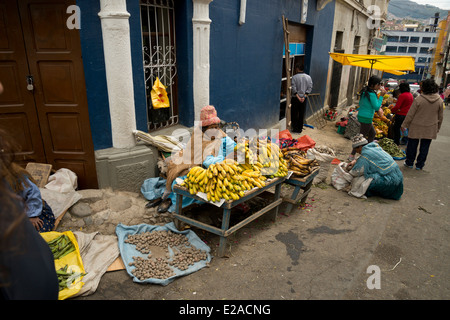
(159, 52)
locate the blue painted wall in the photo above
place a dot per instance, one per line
(246, 61)
(94, 71)
(320, 31)
(184, 43)
(137, 61)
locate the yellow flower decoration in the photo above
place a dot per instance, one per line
(159, 95)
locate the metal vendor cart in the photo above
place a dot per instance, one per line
(300, 183)
(226, 230)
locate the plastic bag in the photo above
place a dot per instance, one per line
(359, 187)
(403, 132)
(72, 260)
(305, 143)
(159, 95)
(285, 134)
(340, 178)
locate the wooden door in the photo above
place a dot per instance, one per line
(18, 114)
(335, 86)
(53, 58)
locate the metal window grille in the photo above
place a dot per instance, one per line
(159, 52)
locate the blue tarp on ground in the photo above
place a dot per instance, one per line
(128, 251)
(153, 188)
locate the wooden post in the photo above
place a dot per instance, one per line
(288, 75)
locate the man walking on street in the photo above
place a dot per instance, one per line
(301, 87)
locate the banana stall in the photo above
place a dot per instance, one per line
(257, 166)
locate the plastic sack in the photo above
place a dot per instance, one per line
(403, 132)
(305, 143)
(340, 178)
(359, 186)
(63, 180)
(352, 128)
(285, 134)
(72, 260)
(324, 155)
(153, 188)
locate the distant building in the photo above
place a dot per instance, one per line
(410, 42)
(353, 33)
(441, 52)
(417, 41)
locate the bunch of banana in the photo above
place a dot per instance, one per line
(224, 180)
(380, 127)
(300, 165)
(196, 180)
(242, 148)
(252, 171)
(271, 158)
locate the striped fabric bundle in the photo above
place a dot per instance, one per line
(162, 142)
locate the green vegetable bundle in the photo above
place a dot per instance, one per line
(66, 279)
(61, 246)
(390, 147)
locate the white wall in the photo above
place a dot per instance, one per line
(351, 18)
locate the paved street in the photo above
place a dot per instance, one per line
(324, 250)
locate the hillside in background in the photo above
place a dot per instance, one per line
(409, 9)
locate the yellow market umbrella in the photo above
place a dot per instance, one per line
(396, 72)
(391, 64)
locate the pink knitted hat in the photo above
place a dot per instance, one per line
(208, 116)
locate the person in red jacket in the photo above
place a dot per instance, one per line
(401, 108)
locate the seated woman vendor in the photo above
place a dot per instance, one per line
(38, 211)
(207, 145)
(378, 167)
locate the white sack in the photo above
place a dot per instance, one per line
(340, 178)
(97, 252)
(62, 180)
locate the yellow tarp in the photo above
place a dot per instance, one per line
(391, 64)
(73, 260)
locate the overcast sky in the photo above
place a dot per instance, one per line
(443, 4)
